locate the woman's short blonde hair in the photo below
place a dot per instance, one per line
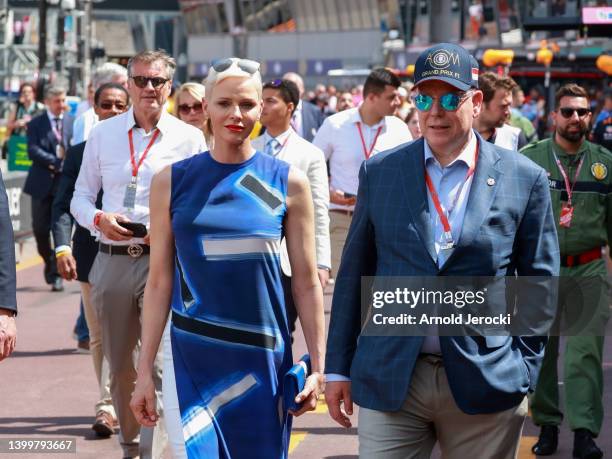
(195, 90)
(234, 70)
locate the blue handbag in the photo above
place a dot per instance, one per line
(294, 381)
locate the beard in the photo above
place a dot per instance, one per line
(575, 136)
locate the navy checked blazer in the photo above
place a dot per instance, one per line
(508, 230)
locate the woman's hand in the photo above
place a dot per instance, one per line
(143, 403)
(313, 388)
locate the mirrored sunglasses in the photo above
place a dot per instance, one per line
(185, 109)
(142, 81)
(245, 65)
(568, 112)
(449, 102)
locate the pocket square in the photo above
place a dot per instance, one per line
(293, 383)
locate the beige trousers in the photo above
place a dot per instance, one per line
(117, 290)
(105, 402)
(430, 415)
(339, 224)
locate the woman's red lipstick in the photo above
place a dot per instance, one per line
(234, 128)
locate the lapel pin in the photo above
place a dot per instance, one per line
(490, 181)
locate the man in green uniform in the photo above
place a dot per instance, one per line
(580, 183)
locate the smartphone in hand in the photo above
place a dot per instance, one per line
(139, 229)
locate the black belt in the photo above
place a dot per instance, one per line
(133, 250)
(223, 333)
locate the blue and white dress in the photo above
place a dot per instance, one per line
(230, 343)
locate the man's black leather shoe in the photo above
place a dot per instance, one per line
(57, 285)
(584, 446)
(548, 441)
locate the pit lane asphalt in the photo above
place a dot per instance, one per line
(47, 390)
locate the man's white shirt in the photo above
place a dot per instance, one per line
(507, 136)
(106, 165)
(341, 143)
(83, 126)
(309, 159)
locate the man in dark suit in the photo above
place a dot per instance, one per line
(307, 118)
(48, 136)
(449, 204)
(8, 301)
(75, 262)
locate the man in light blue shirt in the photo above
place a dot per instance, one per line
(449, 204)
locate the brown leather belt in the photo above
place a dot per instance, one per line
(342, 211)
(567, 261)
(133, 250)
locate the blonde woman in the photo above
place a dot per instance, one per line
(216, 226)
(188, 107)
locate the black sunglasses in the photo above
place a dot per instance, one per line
(186, 108)
(142, 81)
(245, 65)
(109, 105)
(568, 112)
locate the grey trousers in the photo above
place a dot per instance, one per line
(105, 402)
(430, 415)
(117, 290)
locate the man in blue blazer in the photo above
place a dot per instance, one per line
(449, 204)
(48, 135)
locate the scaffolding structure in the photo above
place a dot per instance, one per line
(17, 60)
(49, 45)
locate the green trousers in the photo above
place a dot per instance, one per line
(583, 311)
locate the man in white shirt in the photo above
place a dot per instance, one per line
(348, 138)
(491, 124)
(121, 156)
(280, 98)
(85, 121)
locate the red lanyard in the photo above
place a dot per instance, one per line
(569, 188)
(367, 153)
(436, 200)
(135, 166)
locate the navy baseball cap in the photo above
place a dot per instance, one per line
(449, 63)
